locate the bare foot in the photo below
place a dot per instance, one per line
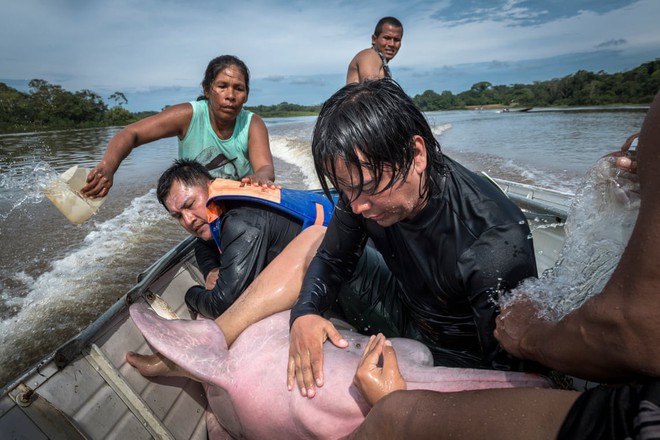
(154, 365)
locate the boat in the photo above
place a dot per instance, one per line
(508, 110)
(85, 389)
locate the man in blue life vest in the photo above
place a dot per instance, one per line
(240, 228)
(254, 246)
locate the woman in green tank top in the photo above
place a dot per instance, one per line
(215, 130)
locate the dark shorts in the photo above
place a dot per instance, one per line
(615, 412)
(369, 301)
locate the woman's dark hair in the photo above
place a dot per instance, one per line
(186, 171)
(379, 120)
(217, 65)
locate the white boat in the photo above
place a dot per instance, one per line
(546, 211)
(86, 390)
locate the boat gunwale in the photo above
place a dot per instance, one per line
(73, 348)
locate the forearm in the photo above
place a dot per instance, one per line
(318, 292)
(266, 172)
(119, 147)
(208, 303)
(586, 343)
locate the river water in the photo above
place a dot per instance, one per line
(56, 278)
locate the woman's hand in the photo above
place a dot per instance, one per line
(99, 182)
(260, 180)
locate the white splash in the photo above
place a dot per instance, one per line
(29, 179)
(598, 228)
(438, 129)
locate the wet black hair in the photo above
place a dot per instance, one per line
(387, 20)
(187, 171)
(377, 118)
(217, 65)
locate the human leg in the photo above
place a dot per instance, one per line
(528, 413)
(276, 288)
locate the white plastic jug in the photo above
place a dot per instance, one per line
(64, 192)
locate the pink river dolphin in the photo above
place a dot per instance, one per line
(248, 392)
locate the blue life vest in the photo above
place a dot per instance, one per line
(312, 208)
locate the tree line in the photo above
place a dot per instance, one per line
(49, 106)
(635, 86)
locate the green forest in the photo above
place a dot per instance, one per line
(49, 106)
(635, 86)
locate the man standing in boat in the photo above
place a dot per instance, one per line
(372, 63)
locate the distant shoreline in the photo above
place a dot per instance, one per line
(613, 107)
(295, 114)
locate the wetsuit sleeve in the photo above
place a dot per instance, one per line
(207, 256)
(334, 263)
(243, 257)
(501, 258)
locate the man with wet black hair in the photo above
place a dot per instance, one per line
(613, 337)
(451, 240)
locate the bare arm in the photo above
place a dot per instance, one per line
(259, 153)
(615, 333)
(365, 65)
(172, 121)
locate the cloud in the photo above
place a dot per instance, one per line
(274, 78)
(521, 12)
(612, 43)
(297, 51)
(302, 81)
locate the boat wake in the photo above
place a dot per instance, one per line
(83, 283)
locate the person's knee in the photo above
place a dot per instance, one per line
(308, 241)
(314, 231)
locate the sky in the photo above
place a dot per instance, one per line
(155, 51)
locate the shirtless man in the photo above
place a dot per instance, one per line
(371, 63)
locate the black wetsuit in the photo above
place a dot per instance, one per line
(253, 234)
(467, 245)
